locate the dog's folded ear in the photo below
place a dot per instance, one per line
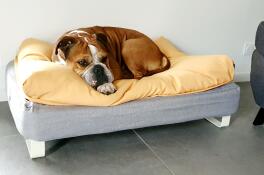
(101, 38)
(63, 46)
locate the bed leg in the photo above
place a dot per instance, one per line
(35, 148)
(223, 122)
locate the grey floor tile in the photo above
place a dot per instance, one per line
(111, 154)
(200, 148)
(7, 126)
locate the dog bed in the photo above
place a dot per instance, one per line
(39, 123)
(48, 83)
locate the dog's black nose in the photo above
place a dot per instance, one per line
(100, 75)
(98, 69)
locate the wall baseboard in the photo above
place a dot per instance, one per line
(3, 96)
(242, 77)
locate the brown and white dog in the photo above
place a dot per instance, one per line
(101, 55)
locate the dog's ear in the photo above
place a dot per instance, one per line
(63, 46)
(101, 38)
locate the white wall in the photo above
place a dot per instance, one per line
(197, 27)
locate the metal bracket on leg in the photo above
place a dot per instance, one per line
(35, 148)
(223, 122)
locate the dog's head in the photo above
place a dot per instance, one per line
(86, 54)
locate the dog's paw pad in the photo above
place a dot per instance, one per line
(107, 88)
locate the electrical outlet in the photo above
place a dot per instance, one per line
(248, 49)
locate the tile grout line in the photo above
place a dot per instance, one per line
(155, 154)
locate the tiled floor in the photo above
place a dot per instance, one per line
(188, 148)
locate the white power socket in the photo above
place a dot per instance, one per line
(248, 49)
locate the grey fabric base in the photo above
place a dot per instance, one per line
(43, 122)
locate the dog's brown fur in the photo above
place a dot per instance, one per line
(127, 53)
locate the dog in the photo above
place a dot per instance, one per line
(101, 55)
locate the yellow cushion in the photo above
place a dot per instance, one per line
(48, 83)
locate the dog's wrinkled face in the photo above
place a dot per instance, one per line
(87, 56)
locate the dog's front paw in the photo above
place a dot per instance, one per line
(107, 88)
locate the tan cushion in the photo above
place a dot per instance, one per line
(48, 83)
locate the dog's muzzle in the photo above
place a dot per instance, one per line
(97, 75)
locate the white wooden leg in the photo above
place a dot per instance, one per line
(223, 122)
(35, 148)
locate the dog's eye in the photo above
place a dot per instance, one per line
(103, 59)
(83, 63)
